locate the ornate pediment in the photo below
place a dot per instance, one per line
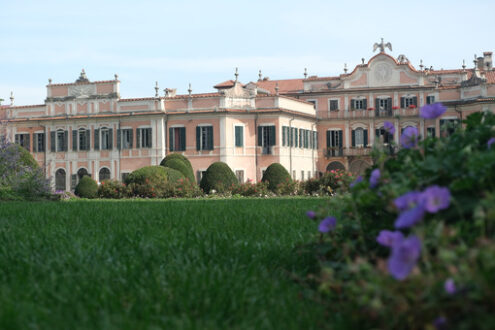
(82, 91)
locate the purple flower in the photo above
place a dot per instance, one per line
(311, 214)
(389, 238)
(374, 178)
(405, 254)
(410, 217)
(440, 323)
(449, 286)
(490, 142)
(355, 182)
(389, 127)
(327, 224)
(409, 138)
(407, 201)
(432, 111)
(436, 198)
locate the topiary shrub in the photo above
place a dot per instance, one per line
(182, 167)
(275, 175)
(173, 175)
(87, 188)
(148, 173)
(219, 177)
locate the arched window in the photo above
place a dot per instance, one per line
(60, 178)
(335, 166)
(381, 133)
(104, 174)
(82, 172)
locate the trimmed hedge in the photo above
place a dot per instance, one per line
(275, 175)
(181, 166)
(150, 173)
(218, 176)
(173, 175)
(87, 188)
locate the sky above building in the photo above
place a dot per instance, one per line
(202, 42)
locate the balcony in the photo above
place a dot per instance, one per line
(347, 152)
(266, 150)
(364, 114)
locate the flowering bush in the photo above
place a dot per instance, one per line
(335, 180)
(259, 189)
(113, 189)
(413, 243)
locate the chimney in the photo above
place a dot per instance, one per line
(481, 63)
(487, 59)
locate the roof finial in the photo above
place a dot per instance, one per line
(156, 89)
(11, 98)
(345, 67)
(305, 73)
(276, 88)
(362, 60)
(116, 76)
(82, 77)
(49, 81)
(463, 64)
(190, 89)
(260, 76)
(382, 46)
(421, 66)
(236, 74)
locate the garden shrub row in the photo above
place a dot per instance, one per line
(412, 246)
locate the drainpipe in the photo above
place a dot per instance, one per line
(313, 150)
(256, 145)
(290, 147)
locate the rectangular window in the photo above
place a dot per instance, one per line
(106, 138)
(84, 139)
(204, 138)
(430, 131)
(240, 175)
(360, 104)
(448, 126)
(23, 141)
(39, 142)
(177, 138)
(61, 141)
(407, 101)
(430, 99)
(334, 143)
(239, 136)
(334, 105)
(266, 138)
(143, 137)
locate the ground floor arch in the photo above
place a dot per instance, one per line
(358, 167)
(60, 180)
(335, 166)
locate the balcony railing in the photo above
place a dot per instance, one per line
(360, 114)
(266, 150)
(346, 152)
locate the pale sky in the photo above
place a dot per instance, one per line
(201, 42)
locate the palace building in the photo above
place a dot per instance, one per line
(309, 125)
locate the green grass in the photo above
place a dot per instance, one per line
(155, 264)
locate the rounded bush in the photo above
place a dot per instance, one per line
(87, 188)
(173, 175)
(181, 166)
(276, 174)
(148, 174)
(218, 176)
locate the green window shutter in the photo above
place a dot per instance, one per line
(97, 139)
(340, 139)
(74, 140)
(210, 137)
(17, 138)
(365, 134)
(138, 138)
(296, 137)
(88, 139)
(28, 142)
(110, 138)
(119, 139)
(150, 138)
(316, 140)
(377, 103)
(36, 137)
(415, 101)
(272, 136)
(402, 102)
(171, 139)
(260, 136)
(328, 139)
(53, 141)
(291, 136)
(183, 138)
(66, 140)
(73, 181)
(198, 138)
(283, 136)
(377, 132)
(353, 105)
(239, 136)
(353, 138)
(365, 104)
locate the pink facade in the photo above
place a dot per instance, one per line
(308, 125)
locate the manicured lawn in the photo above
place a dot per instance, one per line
(155, 264)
